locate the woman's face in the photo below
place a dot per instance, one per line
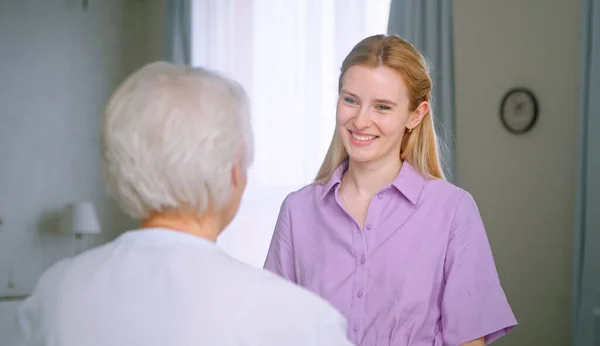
(373, 113)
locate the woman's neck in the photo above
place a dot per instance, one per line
(206, 227)
(366, 179)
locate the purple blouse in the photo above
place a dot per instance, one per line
(420, 273)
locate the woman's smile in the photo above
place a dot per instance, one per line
(361, 139)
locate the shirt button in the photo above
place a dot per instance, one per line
(380, 196)
(362, 260)
(355, 327)
(369, 227)
(359, 293)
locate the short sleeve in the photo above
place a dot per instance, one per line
(474, 304)
(280, 257)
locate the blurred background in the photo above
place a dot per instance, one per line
(538, 191)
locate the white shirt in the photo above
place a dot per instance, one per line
(158, 287)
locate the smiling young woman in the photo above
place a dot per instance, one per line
(380, 234)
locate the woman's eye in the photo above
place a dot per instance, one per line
(383, 107)
(349, 100)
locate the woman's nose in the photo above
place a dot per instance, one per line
(362, 120)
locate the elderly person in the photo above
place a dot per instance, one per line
(176, 144)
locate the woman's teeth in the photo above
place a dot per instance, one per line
(363, 138)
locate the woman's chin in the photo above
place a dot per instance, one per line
(372, 154)
(362, 156)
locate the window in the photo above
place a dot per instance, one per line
(287, 54)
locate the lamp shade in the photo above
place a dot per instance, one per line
(80, 218)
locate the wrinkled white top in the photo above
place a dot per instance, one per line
(158, 287)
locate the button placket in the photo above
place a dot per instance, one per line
(360, 248)
(359, 245)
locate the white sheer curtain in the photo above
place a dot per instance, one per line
(287, 54)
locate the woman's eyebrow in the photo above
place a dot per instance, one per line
(388, 102)
(384, 101)
(344, 91)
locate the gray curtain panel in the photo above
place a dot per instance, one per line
(427, 24)
(586, 278)
(177, 44)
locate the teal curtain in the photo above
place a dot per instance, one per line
(427, 24)
(177, 38)
(586, 269)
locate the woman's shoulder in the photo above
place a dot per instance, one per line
(443, 186)
(308, 194)
(445, 192)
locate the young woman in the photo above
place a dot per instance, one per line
(380, 234)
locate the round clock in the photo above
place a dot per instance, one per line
(519, 110)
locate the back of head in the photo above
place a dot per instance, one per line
(171, 136)
(419, 147)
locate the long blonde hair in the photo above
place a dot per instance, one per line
(420, 146)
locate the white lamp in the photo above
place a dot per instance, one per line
(80, 219)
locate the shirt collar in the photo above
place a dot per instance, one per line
(409, 182)
(336, 178)
(165, 235)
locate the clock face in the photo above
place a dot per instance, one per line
(519, 110)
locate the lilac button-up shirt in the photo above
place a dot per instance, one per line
(420, 273)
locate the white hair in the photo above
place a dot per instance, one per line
(172, 135)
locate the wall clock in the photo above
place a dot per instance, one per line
(519, 110)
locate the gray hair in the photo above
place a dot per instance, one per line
(172, 134)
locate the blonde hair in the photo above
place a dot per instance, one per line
(420, 146)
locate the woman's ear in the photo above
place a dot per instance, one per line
(418, 114)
